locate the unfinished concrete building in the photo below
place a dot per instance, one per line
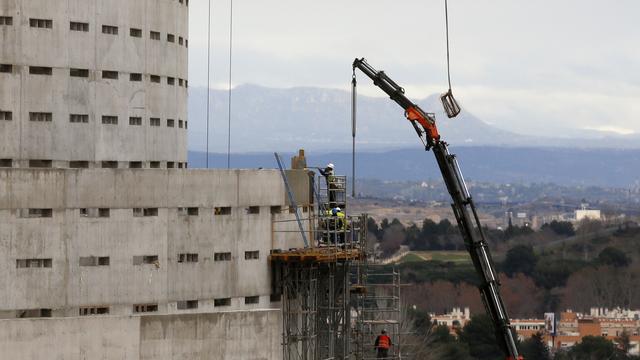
(109, 247)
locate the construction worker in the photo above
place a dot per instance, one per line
(382, 345)
(328, 173)
(341, 224)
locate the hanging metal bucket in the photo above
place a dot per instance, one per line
(450, 104)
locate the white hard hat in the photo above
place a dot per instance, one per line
(338, 209)
(330, 166)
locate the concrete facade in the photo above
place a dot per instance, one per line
(59, 59)
(234, 335)
(208, 234)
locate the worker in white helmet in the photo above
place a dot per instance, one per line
(328, 173)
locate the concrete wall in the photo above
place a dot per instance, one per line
(68, 235)
(61, 49)
(227, 335)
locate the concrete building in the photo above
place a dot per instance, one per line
(93, 83)
(109, 247)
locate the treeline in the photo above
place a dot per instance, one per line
(445, 236)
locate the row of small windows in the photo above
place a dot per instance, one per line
(106, 74)
(93, 261)
(139, 212)
(80, 164)
(84, 118)
(106, 29)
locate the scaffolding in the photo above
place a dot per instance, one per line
(334, 301)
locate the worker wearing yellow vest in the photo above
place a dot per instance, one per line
(328, 173)
(382, 345)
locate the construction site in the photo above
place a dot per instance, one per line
(113, 247)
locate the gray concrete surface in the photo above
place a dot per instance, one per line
(61, 49)
(241, 335)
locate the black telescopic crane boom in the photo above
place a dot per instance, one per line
(462, 205)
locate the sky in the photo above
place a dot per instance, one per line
(532, 67)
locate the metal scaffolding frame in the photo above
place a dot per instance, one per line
(333, 299)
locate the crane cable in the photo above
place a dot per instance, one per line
(208, 79)
(230, 68)
(354, 95)
(449, 103)
(446, 20)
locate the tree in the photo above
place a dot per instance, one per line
(564, 228)
(613, 257)
(593, 348)
(535, 348)
(520, 259)
(480, 336)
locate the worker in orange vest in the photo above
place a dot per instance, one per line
(382, 344)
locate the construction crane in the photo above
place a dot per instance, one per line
(463, 207)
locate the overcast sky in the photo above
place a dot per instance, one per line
(526, 66)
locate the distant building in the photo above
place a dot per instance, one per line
(587, 214)
(456, 319)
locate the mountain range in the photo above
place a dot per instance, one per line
(267, 119)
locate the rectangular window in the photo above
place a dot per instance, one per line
(6, 163)
(145, 212)
(78, 26)
(41, 23)
(190, 258)
(135, 120)
(40, 213)
(171, 164)
(6, 20)
(179, 165)
(251, 300)
(154, 121)
(154, 164)
(188, 211)
(187, 304)
(180, 82)
(36, 163)
(180, 40)
(104, 212)
(276, 209)
(33, 313)
(171, 81)
(79, 118)
(98, 310)
(222, 210)
(186, 43)
(109, 119)
(171, 38)
(154, 79)
(252, 255)
(108, 74)
(171, 123)
(79, 73)
(34, 263)
(154, 35)
(94, 261)
(135, 32)
(185, 124)
(41, 116)
(222, 302)
(135, 77)
(40, 70)
(6, 115)
(180, 124)
(253, 210)
(6, 68)
(222, 256)
(144, 308)
(109, 164)
(145, 259)
(108, 29)
(135, 164)
(78, 164)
